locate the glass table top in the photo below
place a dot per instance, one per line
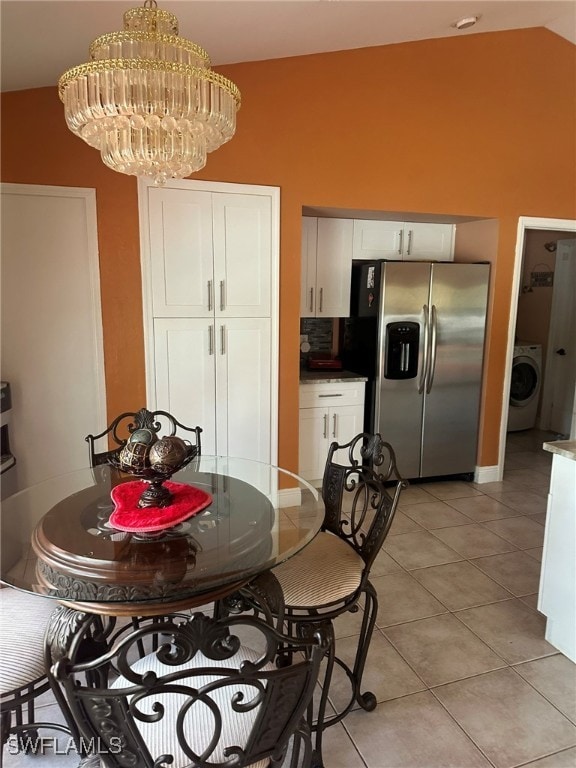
(57, 540)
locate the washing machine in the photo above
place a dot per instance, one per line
(525, 387)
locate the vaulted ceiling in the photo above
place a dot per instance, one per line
(42, 38)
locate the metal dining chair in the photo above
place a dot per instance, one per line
(361, 488)
(23, 679)
(207, 693)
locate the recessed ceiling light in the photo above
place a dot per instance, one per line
(466, 22)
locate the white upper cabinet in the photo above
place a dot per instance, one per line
(377, 239)
(403, 241)
(428, 242)
(308, 269)
(210, 254)
(242, 263)
(326, 267)
(182, 259)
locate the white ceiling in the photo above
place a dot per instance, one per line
(42, 38)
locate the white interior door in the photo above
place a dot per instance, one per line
(561, 358)
(52, 352)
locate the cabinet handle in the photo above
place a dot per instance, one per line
(222, 299)
(321, 298)
(325, 425)
(400, 241)
(334, 395)
(209, 295)
(334, 425)
(210, 339)
(409, 242)
(311, 299)
(222, 339)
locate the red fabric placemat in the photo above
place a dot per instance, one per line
(127, 516)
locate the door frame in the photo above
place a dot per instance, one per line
(148, 315)
(524, 223)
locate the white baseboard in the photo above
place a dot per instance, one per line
(487, 474)
(290, 497)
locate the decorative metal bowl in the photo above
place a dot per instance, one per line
(156, 494)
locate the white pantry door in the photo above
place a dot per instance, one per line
(561, 368)
(52, 352)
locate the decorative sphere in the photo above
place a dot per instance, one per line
(134, 457)
(146, 436)
(167, 454)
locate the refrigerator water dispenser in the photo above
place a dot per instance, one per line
(402, 342)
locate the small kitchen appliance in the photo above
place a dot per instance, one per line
(322, 361)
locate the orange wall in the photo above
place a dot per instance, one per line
(481, 125)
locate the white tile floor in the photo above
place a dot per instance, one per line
(459, 664)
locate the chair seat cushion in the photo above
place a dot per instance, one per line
(326, 571)
(199, 724)
(23, 621)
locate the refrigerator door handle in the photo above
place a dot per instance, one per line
(433, 344)
(424, 372)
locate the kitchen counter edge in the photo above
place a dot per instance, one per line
(566, 448)
(329, 377)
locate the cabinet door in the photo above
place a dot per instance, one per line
(242, 255)
(243, 388)
(308, 267)
(313, 445)
(377, 239)
(181, 259)
(428, 242)
(185, 374)
(334, 267)
(346, 421)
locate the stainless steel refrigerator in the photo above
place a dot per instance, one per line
(417, 331)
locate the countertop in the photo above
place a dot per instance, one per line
(566, 448)
(329, 377)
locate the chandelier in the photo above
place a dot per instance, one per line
(148, 99)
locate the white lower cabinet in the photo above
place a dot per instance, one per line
(218, 376)
(557, 592)
(329, 413)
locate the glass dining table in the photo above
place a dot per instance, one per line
(57, 539)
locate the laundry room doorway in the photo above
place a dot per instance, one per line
(533, 314)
